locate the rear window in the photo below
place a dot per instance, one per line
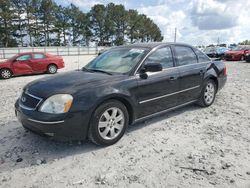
(201, 56)
(24, 57)
(39, 56)
(185, 55)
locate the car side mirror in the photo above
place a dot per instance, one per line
(152, 67)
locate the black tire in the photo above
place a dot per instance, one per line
(5, 73)
(203, 100)
(94, 134)
(242, 58)
(52, 69)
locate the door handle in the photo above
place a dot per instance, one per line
(172, 78)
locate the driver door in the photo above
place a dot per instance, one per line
(22, 65)
(158, 91)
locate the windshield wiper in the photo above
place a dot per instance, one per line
(85, 69)
(102, 71)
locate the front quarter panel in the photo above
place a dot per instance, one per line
(88, 99)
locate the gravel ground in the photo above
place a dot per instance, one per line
(189, 147)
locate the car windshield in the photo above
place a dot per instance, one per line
(238, 48)
(209, 50)
(119, 60)
(13, 57)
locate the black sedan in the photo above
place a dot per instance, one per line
(122, 86)
(247, 57)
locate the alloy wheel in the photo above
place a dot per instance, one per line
(52, 69)
(5, 74)
(209, 93)
(111, 123)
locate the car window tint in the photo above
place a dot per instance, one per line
(162, 56)
(39, 56)
(201, 56)
(24, 58)
(185, 55)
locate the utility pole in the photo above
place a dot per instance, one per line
(175, 29)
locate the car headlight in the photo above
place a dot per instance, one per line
(57, 104)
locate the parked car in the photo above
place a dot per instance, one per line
(101, 51)
(120, 87)
(215, 52)
(237, 54)
(248, 57)
(30, 63)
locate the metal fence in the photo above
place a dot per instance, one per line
(62, 51)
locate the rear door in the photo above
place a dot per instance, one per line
(191, 73)
(157, 92)
(39, 62)
(21, 65)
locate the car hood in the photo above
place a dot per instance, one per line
(69, 83)
(234, 52)
(4, 62)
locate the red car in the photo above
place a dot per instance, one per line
(237, 54)
(30, 63)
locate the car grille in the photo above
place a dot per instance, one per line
(29, 101)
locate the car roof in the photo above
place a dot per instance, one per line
(30, 53)
(155, 44)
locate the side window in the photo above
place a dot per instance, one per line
(39, 56)
(185, 55)
(201, 56)
(162, 56)
(24, 58)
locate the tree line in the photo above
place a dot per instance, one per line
(45, 23)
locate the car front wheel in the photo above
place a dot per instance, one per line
(208, 94)
(52, 69)
(108, 123)
(5, 73)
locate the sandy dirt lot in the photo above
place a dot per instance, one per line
(188, 147)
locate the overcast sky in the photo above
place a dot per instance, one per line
(198, 22)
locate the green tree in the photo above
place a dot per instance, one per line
(47, 16)
(116, 23)
(7, 16)
(245, 42)
(79, 22)
(20, 21)
(97, 22)
(62, 24)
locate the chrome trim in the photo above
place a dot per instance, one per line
(168, 45)
(142, 61)
(46, 122)
(28, 108)
(174, 93)
(167, 110)
(33, 95)
(25, 107)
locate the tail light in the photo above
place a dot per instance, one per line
(225, 71)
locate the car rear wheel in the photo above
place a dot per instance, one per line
(5, 73)
(108, 123)
(242, 58)
(208, 94)
(52, 69)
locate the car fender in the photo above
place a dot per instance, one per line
(121, 97)
(211, 73)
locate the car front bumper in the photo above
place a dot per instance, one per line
(71, 126)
